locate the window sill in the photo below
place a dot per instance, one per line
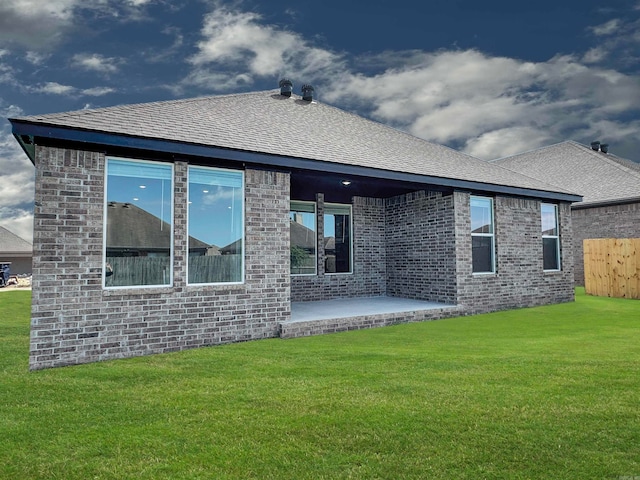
(137, 290)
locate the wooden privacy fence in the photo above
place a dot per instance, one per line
(612, 267)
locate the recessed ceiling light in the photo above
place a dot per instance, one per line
(143, 186)
(205, 191)
(346, 183)
(135, 199)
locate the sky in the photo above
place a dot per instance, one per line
(491, 78)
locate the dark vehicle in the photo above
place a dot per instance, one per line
(5, 271)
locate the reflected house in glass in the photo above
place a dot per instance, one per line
(172, 225)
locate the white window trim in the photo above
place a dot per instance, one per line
(350, 272)
(104, 223)
(492, 235)
(244, 232)
(556, 237)
(315, 217)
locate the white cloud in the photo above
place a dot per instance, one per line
(96, 62)
(17, 180)
(34, 23)
(138, 3)
(36, 58)
(486, 105)
(491, 106)
(248, 49)
(54, 88)
(607, 28)
(595, 55)
(507, 141)
(97, 91)
(42, 24)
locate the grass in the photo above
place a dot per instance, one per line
(548, 392)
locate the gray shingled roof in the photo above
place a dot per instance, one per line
(267, 122)
(598, 177)
(11, 244)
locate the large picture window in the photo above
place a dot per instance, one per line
(550, 237)
(138, 238)
(215, 226)
(482, 235)
(338, 244)
(302, 225)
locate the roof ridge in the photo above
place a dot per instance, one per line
(526, 152)
(611, 159)
(9, 236)
(86, 111)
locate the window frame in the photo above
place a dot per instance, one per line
(491, 235)
(351, 242)
(242, 219)
(315, 220)
(555, 237)
(105, 207)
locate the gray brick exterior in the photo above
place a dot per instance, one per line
(369, 269)
(421, 248)
(416, 246)
(74, 320)
(614, 221)
(519, 280)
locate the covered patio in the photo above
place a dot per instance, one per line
(342, 314)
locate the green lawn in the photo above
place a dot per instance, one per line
(542, 393)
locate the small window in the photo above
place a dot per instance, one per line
(338, 246)
(138, 218)
(304, 238)
(550, 237)
(215, 226)
(482, 235)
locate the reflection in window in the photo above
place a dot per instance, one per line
(482, 235)
(550, 237)
(216, 226)
(302, 224)
(337, 238)
(138, 244)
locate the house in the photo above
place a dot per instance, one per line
(16, 252)
(609, 185)
(135, 235)
(417, 228)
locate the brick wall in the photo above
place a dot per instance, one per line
(615, 221)
(416, 245)
(369, 269)
(74, 320)
(519, 280)
(421, 249)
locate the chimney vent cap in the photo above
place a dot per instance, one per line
(286, 87)
(307, 92)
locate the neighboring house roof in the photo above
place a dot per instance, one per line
(130, 227)
(302, 236)
(270, 129)
(601, 178)
(13, 245)
(233, 248)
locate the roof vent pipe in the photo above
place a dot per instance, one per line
(286, 87)
(307, 92)
(595, 146)
(604, 147)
